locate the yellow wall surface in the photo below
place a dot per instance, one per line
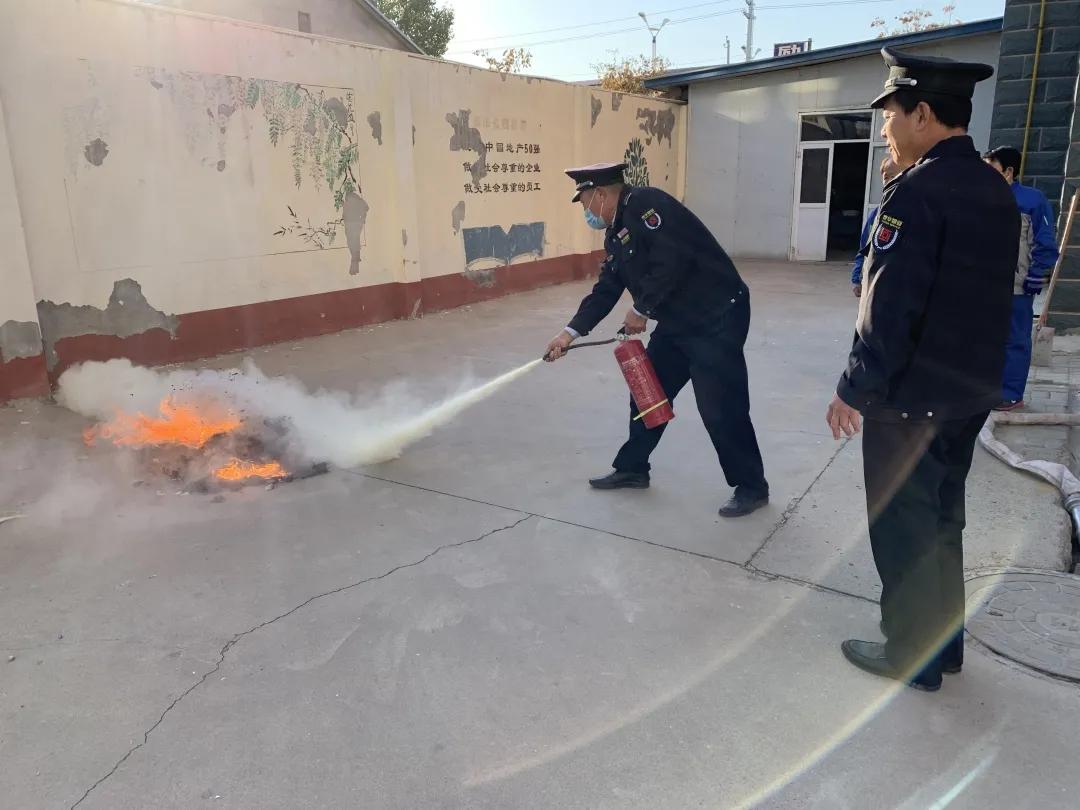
(218, 163)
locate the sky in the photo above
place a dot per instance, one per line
(567, 37)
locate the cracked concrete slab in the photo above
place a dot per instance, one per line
(569, 418)
(516, 673)
(158, 586)
(827, 540)
(546, 665)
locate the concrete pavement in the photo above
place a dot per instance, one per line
(470, 626)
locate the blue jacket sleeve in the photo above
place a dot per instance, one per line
(1044, 252)
(856, 268)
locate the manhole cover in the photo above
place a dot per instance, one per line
(1033, 618)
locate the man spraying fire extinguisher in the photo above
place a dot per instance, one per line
(679, 276)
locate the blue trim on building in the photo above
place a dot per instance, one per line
(838, 52)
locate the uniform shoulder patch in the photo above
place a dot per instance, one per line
(886, 233)
(651, 219)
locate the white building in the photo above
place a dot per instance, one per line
(782, 153)
(355, 20)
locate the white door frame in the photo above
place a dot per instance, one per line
(876, 142)
(800, 144)
(800, 207)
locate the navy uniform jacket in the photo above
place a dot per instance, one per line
(936, 303)
(673, 267)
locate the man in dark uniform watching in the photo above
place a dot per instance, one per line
(925, 368)
(679, 276)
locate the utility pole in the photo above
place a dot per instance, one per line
(727, 47)
(748, 48)
(654, 30)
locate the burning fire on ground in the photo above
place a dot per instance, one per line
(201, 444)
(237, 470)
(218, 429)
(178, 424)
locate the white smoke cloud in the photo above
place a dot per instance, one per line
(323, 426)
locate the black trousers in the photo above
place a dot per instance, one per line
(713, 359)
(915, 484)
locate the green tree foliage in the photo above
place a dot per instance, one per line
(426, 24)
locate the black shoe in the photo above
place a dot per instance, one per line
(743, 502)
(621, 480)
(948, 669)
(869, 656)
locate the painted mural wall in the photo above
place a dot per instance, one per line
(190, 185)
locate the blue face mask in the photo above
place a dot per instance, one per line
(596, 222)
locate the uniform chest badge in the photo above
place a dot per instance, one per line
(623, 236)
(887, 233)
(651, 219)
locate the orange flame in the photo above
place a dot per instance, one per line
(179, 424)
(183, 426)
(238, 470)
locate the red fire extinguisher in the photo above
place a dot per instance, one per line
(654, 407)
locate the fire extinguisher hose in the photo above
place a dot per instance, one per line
(591, 343)
(619, 336)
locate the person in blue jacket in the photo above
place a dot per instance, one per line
(1038, 253)
(889, 170)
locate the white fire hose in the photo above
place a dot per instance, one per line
(1053, 473)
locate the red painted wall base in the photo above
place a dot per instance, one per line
(217, 331)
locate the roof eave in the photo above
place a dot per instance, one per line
(833, 54)
(387, 23)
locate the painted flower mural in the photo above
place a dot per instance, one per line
(315, 126)
(637, 168)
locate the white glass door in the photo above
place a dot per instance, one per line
(813, 173)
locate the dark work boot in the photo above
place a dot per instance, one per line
(869, 656)
(621, 480)
(743, 502)
(950, 664)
